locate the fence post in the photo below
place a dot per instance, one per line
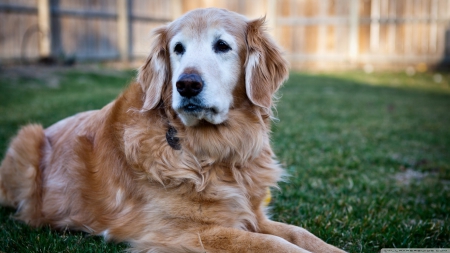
(375, 14)
(44, 24)
(123, 33)
(354, 31)
(271, 17)
(177, 9)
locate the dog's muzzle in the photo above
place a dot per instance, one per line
(191, 103)
(189, 86)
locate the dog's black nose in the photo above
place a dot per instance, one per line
(189, 85)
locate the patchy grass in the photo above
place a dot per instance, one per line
(369, 162)
(368, 155)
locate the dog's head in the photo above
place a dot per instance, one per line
(205, 56)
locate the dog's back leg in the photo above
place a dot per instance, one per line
(20, 175)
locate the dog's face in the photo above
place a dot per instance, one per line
(205, 68)
(204, 56)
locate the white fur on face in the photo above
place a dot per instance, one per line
(219, 72)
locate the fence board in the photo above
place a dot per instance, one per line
(313, 33)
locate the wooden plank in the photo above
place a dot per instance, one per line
(353, 30)
(44, 23)
(402, 20)
(362, 20)
(433, 29)
(17, 8)
(392, 30)
(447, 33)
(407, 35)
(123, 33)
(374, 58)
(374, 25)
(322, 29)
(82, 13)
(271, 17)
(150, 19)
(340, 36)
(312, 20)
(94, 14)
(177, 9)
(424, 42)
(297, 31)
(383, 28)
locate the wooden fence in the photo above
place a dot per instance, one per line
(318, 34)
(81, 29)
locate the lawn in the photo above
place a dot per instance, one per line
(368, 154)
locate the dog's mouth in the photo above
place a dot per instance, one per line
(195, 106)
(193, 110)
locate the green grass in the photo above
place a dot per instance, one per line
(368, 155)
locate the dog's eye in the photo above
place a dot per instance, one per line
(179, 48)
(221, 47)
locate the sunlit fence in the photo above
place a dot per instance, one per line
(320, 34)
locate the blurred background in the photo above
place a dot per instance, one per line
(328, 34)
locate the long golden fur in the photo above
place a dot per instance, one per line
(112, 172)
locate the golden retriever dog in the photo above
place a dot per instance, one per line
(180, 162)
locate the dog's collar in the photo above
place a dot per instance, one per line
(172, 140)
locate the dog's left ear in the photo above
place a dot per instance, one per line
(155, 72)
(266, 68)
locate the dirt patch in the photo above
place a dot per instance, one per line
(408, 176)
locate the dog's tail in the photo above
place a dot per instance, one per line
(20, 175)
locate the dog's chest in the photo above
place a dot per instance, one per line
(188, 185)
(222, 204)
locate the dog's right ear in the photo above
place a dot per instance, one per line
(155, 72)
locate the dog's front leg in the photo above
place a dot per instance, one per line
(297, 236)
(230, 240)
